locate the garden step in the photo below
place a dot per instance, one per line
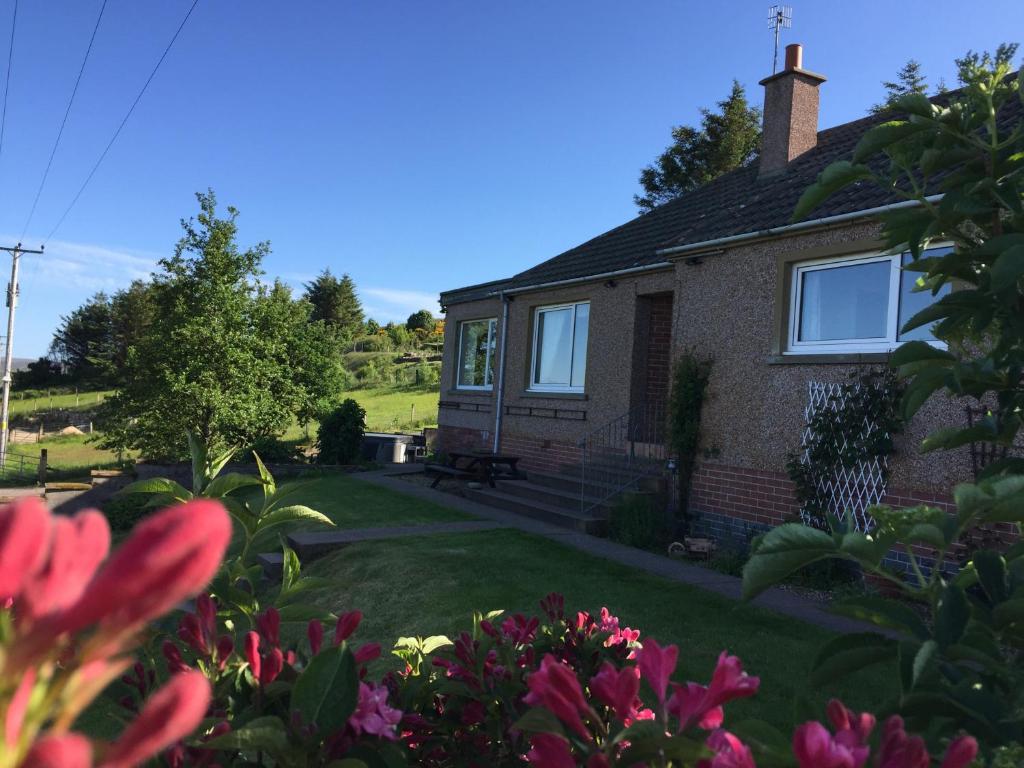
(557, 497)
(312, 544)
(596, 489)
(538, 510)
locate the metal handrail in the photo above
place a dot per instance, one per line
(616, 456)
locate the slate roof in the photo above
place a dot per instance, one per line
(733, 204)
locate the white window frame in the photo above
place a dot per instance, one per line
(492, 333)
(555, 388)
(850, 346)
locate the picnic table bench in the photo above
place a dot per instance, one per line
(474, 464)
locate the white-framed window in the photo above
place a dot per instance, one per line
(476, 354)
(856, 303)
(559, 361)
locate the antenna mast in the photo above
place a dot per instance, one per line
(779, 17)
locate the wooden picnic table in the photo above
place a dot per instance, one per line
(482, 464)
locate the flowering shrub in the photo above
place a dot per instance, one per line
(70, 615)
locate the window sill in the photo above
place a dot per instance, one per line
(470, 392)
(555, 395)
(829, 358)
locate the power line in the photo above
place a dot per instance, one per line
(123, 121)
(64, 122)
(7, 83)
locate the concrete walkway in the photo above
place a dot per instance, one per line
(778, 600)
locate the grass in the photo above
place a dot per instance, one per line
(431, 584)
(67, 458)
(45, 403)
(388, 409)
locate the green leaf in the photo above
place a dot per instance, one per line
(782, 551)
(951, 616)
(762, 737)
(225, 484)
(269, 486)
(292, 514)
(851, 653)
(832, 179)
(432, 643)
(924, 661)
(290, 568)
(1007, 270)
(1010, 612)
(991, 570)
(922, 387)
(266, 734)
(327, 690)
(884, 136)
(158, 485)
(883, 613)
(539, 720)
(918, 351)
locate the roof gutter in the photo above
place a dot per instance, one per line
(825, 221)
(585, 279)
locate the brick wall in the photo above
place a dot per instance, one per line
(462, 439)
(540, 455)
(659, 349)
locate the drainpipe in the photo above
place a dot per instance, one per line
(501, 372)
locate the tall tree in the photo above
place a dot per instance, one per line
(335, 302)
(727, 139)
(131, 312)
(422, 320)
(82, 343)
(231, 359)
(910, 79)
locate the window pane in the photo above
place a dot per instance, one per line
(850, 302)
(912, 302)
(473, 354)
(579, 346)
(554, 347)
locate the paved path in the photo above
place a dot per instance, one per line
(775, 599)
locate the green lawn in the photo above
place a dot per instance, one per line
(388, 409)
(45, 403)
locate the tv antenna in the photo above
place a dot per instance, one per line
(779, 17)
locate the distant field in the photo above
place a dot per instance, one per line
(388, 409)
(46, 403)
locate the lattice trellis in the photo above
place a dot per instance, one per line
(850, 489)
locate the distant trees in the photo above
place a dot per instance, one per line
(230, 359)
(910, 79)
(726, 140)
(335, 302)
(422, 320)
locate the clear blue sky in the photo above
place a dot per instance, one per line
(417, 145)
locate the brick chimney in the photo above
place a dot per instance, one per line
(790, 113)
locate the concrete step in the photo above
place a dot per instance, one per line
(538, 510)
(598, 489)
(309, 545)
(556, 497)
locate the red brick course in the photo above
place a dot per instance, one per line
(659, 349)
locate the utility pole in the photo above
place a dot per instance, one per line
(12, 301)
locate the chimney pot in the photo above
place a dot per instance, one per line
(794, 56)
(790, 113)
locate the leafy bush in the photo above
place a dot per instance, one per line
(689, 386)
(341, 433)
(638, 520)
(123, 512)
(273, 450)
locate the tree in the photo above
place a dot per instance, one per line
(422, 320)
(335, 302)
(82, 344)
(131, 312)
(230, 360)
(372, 327)
(910, 79)
(727, 140)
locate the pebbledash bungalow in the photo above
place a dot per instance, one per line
(574, 355)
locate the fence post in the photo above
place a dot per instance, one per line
(42, 466)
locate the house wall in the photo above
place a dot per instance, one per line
(731, 307)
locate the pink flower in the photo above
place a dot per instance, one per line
(315, 633)
(68, 750)
(169, 557)
(597, 760)
(689, 705)
(373, 715)
(347, 624)
(171, 714)
(175, 663)
(252, 653)
(77, 547)
(729, 751)
(960, 753)
(555, 687)
(273, 663)
(549, 751)
(898, 750)
(24, 543)
(268, 624)
(17, 706)
(553, 606)
(617, 689)
(657, 665)
(225, 647)
(815, 747)
(729, 681)
(852, 730)
(367, 653)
